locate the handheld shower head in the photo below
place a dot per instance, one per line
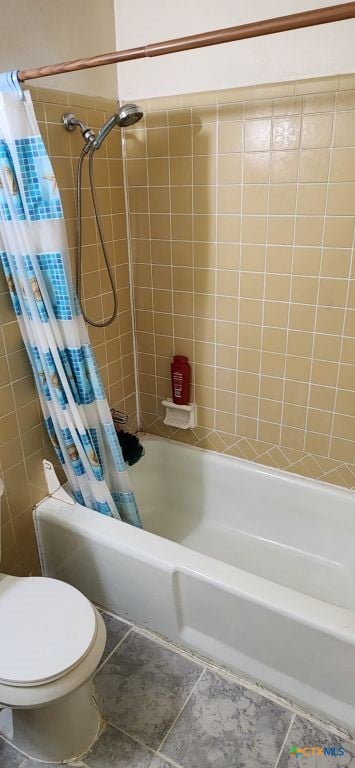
(129, 114)
(126, 115)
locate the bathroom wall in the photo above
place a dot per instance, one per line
(41, 32)
(242, 210)
(317, 51)
(23, 442)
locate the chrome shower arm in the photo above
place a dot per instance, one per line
(71, 122)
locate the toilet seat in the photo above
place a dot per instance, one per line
(47, 629)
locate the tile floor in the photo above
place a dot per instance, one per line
(164, 708)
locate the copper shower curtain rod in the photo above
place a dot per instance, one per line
(228, 35)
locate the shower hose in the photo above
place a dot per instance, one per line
(79, 265)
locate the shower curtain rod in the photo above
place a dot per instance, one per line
(227, 35)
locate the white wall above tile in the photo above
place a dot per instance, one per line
(313, 52)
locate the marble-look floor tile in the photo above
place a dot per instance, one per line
(341, 753)
(225, 725)
(9, 757)
(116, 750)
(142, 687)
(115, 629)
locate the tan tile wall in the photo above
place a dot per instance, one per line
(242, 210)
(23, 441)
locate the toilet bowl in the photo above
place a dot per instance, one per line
(51, 642)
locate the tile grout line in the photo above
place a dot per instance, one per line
(130, 736)
(141, 743)
(193, 253)
(148, 241)
(319, 277)
(291, 274)
(130, 276)
(171, 263)
(169, 760)
(113, 651)
(285, 739)
(238, 276)
(264, 276)
(215, 276)
(180, 712)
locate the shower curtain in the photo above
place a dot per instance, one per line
(34, 256)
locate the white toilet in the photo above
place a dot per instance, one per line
(51, 642)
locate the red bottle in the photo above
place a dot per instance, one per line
(180, 379)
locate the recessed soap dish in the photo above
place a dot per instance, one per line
(179, 416)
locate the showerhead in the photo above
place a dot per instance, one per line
(126, 115)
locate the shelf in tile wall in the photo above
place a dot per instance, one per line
(179, 416)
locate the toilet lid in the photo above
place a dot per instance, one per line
(46, 628)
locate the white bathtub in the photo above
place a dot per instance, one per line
(251, 567)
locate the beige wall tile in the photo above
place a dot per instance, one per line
(255, 108)
(314, 165)
(286, 133)
(204, 200)
(204, 169)
(341, 200)
(252, 257)
(344, 129)
(260, 245)
(157, 143)
(277, 287)
(204, 138)
(229, 199)
(230, 137)
(338, 231)
(256, 166)
(158, 171)
(250, 311)
(228, 228)
(318, 102)
(255, 198)
(279, 259)
(180, 141)
(158, 200)
(253, 229)
(276, 313)
(284, 167)
(342, 165)
(309, 230)
(229, 169)
(335, 263)
(316, 131)
(257, 135)
(306, 261)
(281, 230)
(311, 199)
(282, 199)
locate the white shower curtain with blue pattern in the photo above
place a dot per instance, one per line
(35, 259)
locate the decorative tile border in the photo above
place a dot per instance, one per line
(289, 459)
